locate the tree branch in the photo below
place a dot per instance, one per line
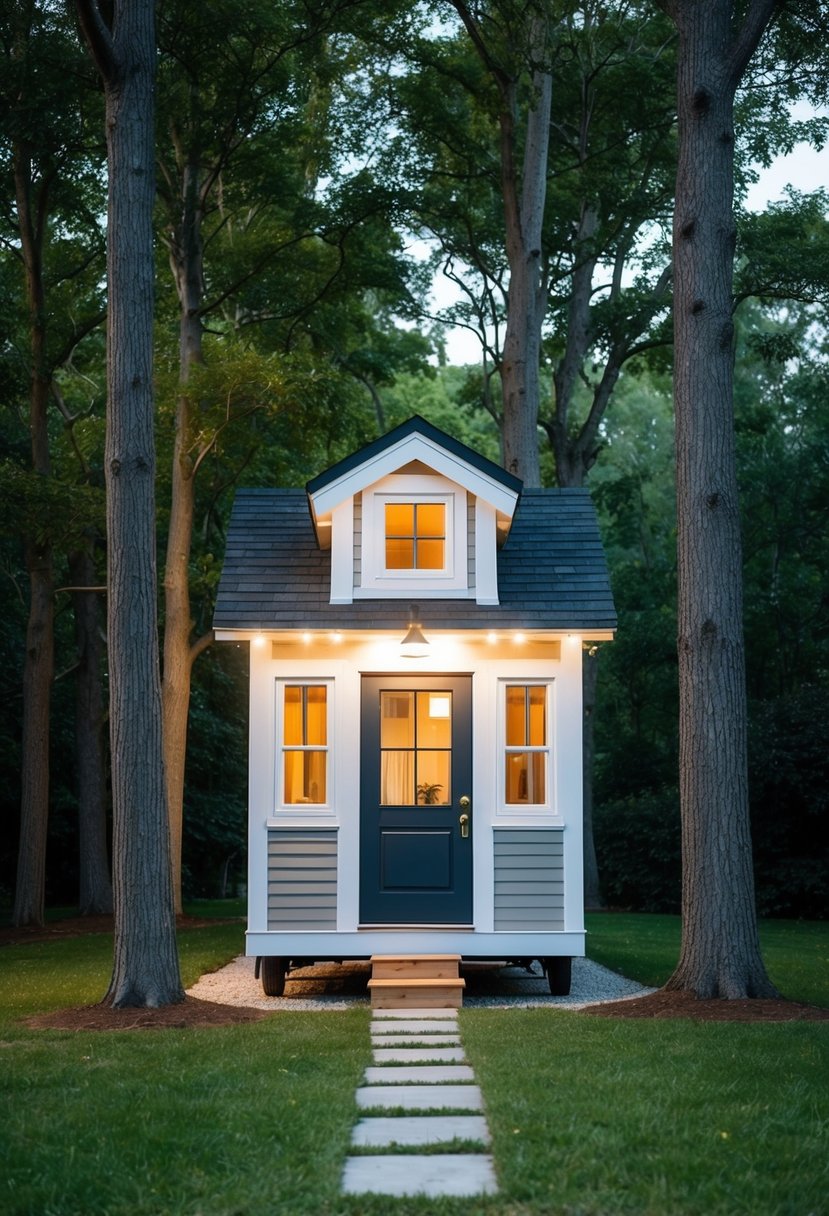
(98, 38)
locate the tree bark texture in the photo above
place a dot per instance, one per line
(524, 201)
(720, 954)
(38, 662)
(186, 265)
(95, 885)
(145, 970)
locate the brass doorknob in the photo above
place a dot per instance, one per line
(464, 802)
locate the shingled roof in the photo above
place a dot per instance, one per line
(552, 573)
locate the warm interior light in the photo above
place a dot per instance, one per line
(336, 637)
(439, 705)
(259, 640)
(520, 639)
(492, 638)
(414, 644)
(306, 637)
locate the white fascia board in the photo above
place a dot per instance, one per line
(414, 447)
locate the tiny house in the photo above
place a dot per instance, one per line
(416, 621)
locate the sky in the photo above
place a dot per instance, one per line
(804, 168)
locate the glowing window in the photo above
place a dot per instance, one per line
(415, 536)
(527, 748)
(415, 748)
(304, 743)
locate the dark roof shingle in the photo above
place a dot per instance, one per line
(552, 572)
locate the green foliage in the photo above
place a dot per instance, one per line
(789, 790)
(638, 847)
(52, 511)
(215, 799)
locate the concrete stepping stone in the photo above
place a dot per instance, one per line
(391, 1015)
(420, 1097)
(415, 1040)
(407, 1174)
(384, 1131)
(418, 1055)
(408, 1026)
(419, 1074)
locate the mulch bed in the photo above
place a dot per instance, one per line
(188, 1015)
(682, 1005)
(193, 1013)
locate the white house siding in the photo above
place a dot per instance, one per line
(358, 540)
(304, 865)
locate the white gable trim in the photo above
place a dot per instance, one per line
(414, 447)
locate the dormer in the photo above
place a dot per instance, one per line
(416, 514)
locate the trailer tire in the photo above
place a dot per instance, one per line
(273, 971)
(559, 975)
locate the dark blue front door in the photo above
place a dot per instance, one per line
(416, 766)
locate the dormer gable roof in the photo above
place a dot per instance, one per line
(414, 441)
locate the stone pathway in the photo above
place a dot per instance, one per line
(417, 1073)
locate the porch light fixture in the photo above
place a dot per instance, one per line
(414, 644)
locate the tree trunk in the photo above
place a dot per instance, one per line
(38, 664)
(186, 265)
(38, 660)
(720, 954)
(524, 219)
(145, 970)
(95, 886)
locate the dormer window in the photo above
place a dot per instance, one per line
(415, 536)
(414, 513)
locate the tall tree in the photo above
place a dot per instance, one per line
(720, 954)
(145, 970)
(51, 230)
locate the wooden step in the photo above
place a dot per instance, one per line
(417, 966)
(433, 992)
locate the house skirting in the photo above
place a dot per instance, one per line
(365, 942)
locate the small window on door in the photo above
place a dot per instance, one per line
(526, 745)
(415, 748)
(415, 535)
(304, 745)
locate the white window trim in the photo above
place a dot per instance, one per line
(375, 579)
(282, 809)
(532, 811)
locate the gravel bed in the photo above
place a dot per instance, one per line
(341, 986)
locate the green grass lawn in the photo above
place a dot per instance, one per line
(646, 947)
(590, 1117)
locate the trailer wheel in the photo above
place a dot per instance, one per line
(273, 971)
(559, 972)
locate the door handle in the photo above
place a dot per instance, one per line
(464, 803)
(464, 822)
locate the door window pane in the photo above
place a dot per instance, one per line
(415, 747)
(396, 719)
(433, 778)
